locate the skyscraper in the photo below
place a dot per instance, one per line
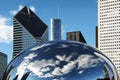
(3, 64)
(55, 29)
(75, 36)
(96, 29)
(109, 30)
(28, 30)
(107, 75)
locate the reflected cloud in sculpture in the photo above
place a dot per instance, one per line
(61, 60)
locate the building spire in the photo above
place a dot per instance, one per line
(58, 13)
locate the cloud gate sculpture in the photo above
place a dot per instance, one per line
(61, 60)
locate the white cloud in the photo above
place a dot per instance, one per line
(40, 46)
(59, 79)
(87, 61)
(83, 62)
(45, 69)
(30, 56)
(60, 57)
(68, 58)
(49, 68)
(20, 7)
(6, 30)
(42, 66)
(63, 46)
(22, 67)
(69, 67)
(80, 72)
(14, 12)
(55, 79)
(57, 71)
(64, 57)
(32, 8)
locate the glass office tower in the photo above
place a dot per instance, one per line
(28, 30)
(55, 29)
(109, 30)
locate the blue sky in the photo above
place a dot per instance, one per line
(76, 15)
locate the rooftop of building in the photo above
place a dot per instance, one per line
(31, 22)
(2, 54)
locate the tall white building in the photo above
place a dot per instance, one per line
(109, 30)
(55, 29)
(28, 30)
(3, 64)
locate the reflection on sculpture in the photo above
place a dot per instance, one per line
(15, 77)
(106, 74)
(61, 60)
(8, 74)
(24, 76)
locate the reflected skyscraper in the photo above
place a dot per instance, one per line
(106, 74)
(28, 30)
(3, 64)
(55, 29)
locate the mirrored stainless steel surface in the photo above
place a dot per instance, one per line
(61, 60)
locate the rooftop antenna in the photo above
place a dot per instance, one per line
(58, 13)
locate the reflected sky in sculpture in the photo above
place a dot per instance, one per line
(60, 60)
(48, 68)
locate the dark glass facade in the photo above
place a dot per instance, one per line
(28, 30)
(31, 22)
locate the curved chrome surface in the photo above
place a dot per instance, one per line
(61, 60)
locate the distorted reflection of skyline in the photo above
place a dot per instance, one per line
(60, 61)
